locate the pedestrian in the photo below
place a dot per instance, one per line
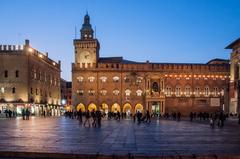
(118, 115)
(87, 118)
(134, 117)
(178, 116)
(23, 113)
(80, 116)
(212, 122)
(99, 118)
(44, 113)
(148, 117)
(27, 114)
(139, 116)
(93, 114)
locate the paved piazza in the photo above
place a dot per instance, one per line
(164, 137)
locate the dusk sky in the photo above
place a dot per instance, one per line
(173, 31)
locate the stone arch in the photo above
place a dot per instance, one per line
(104, 107)
(116, 108)
(127, 107)
(138, 107)
(92, 107)
(80, 106)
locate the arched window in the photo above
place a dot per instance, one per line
(103, 79)
(116, 92)
(197, 91)
(139, 92)
(206, 91)
(155, 87)
(91, 92)
(116, 79)
(178, 91)
(188, 91)
(103, 92)
(127, 92)
(168, 91)
(91, 79)
(80, 79)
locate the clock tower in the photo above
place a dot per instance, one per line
(86, 48)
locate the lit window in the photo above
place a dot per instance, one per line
(103, 79)
(80, 92)
(139, 79)
(168, 91)
(178, 91)
(116, 92)
(80, 79)
(103, 92)
(91, 92)
(116, 78)
(197, 91)
(139, 92)
(2, 90)
(206, 91)
(127, 92)
(126, 79)
(91, 79)
(188, 91)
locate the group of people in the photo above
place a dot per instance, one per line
(25, 114)
(10, 113)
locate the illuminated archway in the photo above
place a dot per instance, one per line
(138, 107)
(80, 106)
(104, 107)
(127, 108)
(92, 107)
(116, 108)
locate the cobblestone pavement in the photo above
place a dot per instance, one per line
(161, 137)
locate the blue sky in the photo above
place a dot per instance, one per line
(181, 31)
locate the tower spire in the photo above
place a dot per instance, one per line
(86, 30)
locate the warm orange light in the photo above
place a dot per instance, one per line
(30, 49)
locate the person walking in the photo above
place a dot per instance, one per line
(148, 117)
(93, 114)
(27, 114)
(87, 119)
(99, 118)
(80, 116)
(23, 114)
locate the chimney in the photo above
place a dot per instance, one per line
(47, 54)
(27, 42)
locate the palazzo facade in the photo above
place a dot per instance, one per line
(115, 84)
(28, 79)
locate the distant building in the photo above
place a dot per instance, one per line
(28, 79)
(114, 84)
(66, 94)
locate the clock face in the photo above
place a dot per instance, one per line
(86, 54)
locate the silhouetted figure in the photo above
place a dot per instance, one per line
(87, 118)
(99, 118)
(148, 117)
(178, 116)
(80, 116)
(44, 113)
(134, 117)
(23, 113)
(93, 114)
(139, 116)
(27, 114)
(118, 115)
